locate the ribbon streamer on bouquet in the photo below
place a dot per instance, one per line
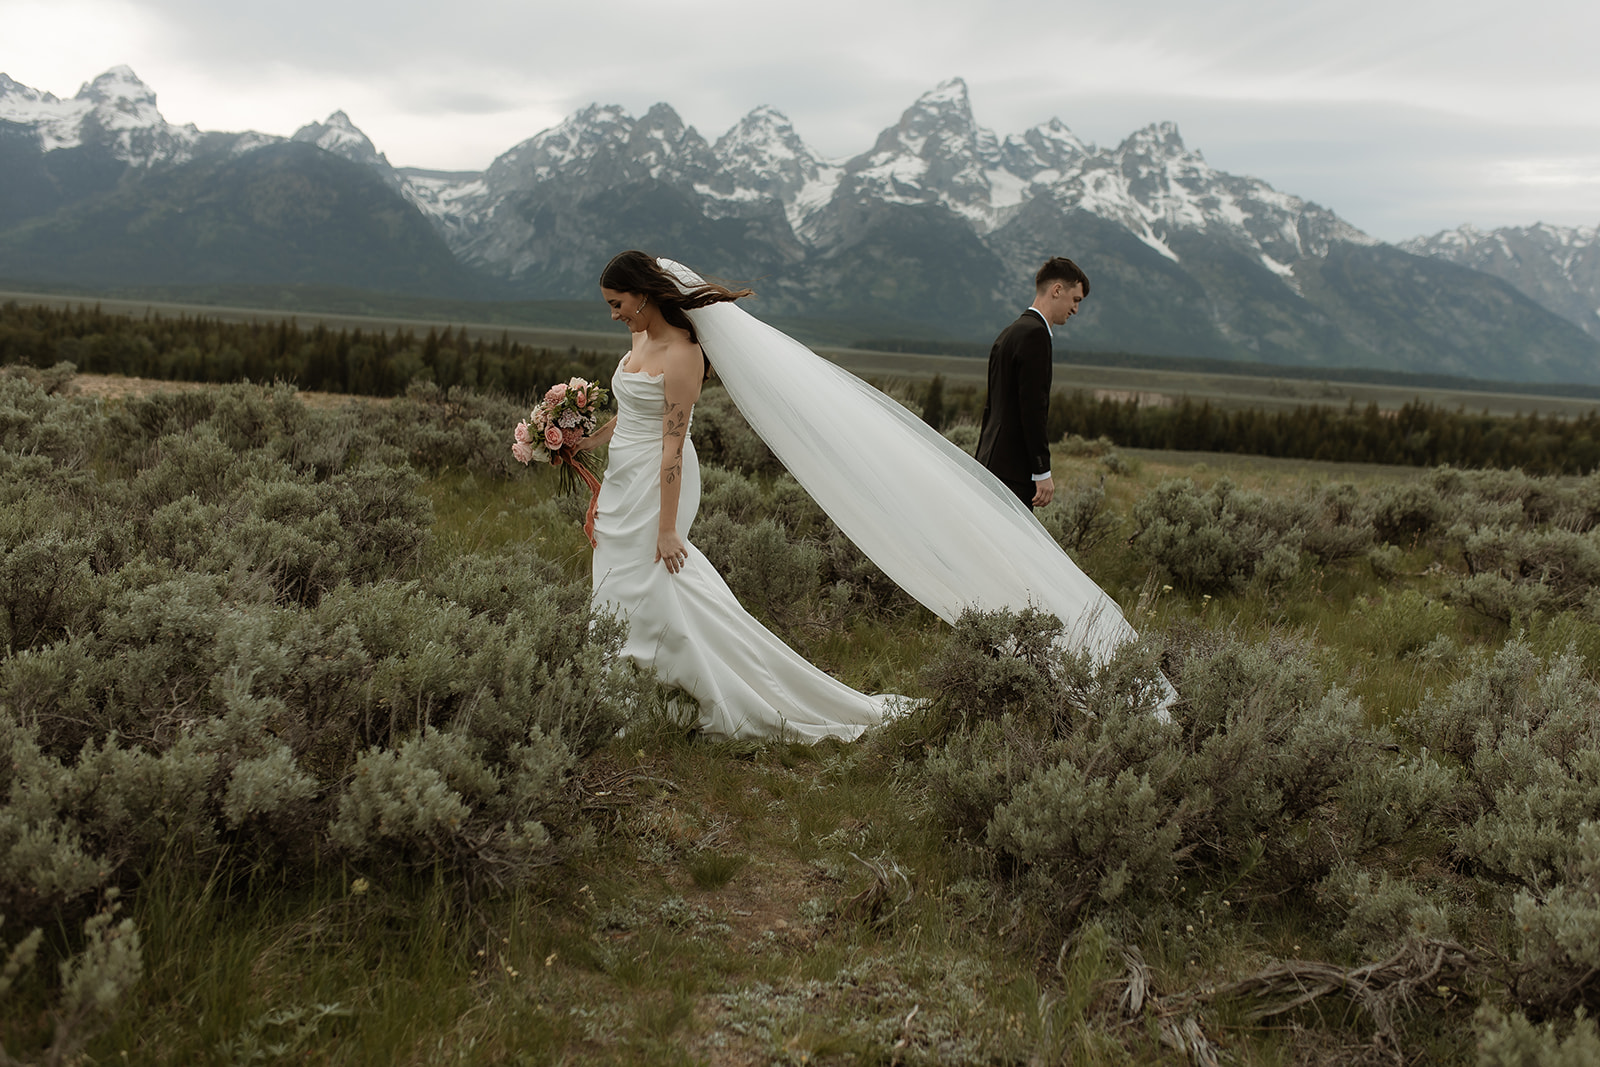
(567, 456)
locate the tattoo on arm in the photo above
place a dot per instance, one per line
(675, 423)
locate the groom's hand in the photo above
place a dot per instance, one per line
(1043, 492)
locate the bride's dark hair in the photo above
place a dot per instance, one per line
(638, 272)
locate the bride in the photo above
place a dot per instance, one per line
(939, 524)
(683, 620)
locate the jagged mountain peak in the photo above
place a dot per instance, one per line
(944, 109)
(663, 115)
(662, 130)
(116, 111)
(762, 125)
(598, 114)
(574, 140)
(1158, 138)
(662, 143)
(763, 140)
(764, 113)
(762, 156)
(343, 138)
(951, 92)
(11, 87)
(1044, 152)
(937, 129)
(117, 86)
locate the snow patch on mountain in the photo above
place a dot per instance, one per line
(341, 137)
(116, 110)
(250, 140)
(763, 158)
(1557, 266)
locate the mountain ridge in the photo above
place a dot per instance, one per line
(938, 226)
(1557, 266)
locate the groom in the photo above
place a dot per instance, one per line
(1013, 443)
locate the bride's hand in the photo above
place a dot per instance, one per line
(598, 438)
(671, 550)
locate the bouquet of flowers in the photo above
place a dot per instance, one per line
(569, 412)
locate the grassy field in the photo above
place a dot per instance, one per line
(752, 904)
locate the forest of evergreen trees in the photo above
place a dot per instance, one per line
(1418, 434)
(360, 362)
(383, 363)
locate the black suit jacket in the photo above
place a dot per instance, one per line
(1013, 441)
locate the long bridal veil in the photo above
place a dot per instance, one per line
(933, 518)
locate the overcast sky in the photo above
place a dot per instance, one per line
(1404, 116)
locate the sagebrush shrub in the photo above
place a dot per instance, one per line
(729, 493)
(1082, 836)
(1515, 572)
(1511, 1040)
(1077, 517)
(1382, 912)
(1218, 538)
(1560, 927)
(223, 638)
(1337, 522)
(1085, 799)
(1402, 514)
(1524, 809)
(964, 436)
(437, 798)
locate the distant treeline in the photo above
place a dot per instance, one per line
(1206, 365)
(362, 362)
(383, 363)
(1418, 434)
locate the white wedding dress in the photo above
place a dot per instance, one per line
(932, 517)
(689, 626)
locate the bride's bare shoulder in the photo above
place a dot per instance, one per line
(683, 354)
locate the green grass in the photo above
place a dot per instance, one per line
(718, 915)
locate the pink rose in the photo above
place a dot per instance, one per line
(553, 397)
(521, 435)
(581, 396)
(522, 451)
(553, 438)
(571, 436)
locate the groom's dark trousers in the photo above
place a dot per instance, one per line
(1013, 443)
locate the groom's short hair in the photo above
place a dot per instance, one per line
(1060, 269)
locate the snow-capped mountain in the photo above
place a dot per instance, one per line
(763, 159)
(1558, 266)
(341, 137)
(1150, 183)
(116, 111)
(932, 232)
(937, 154)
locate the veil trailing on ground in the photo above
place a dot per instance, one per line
(933, 518)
